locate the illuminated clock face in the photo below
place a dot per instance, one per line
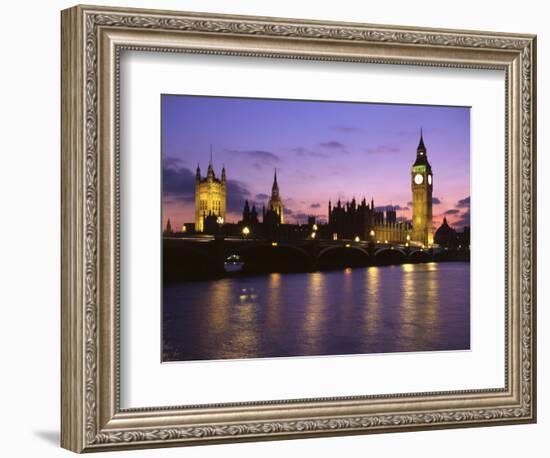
(418, 178)
(429, 179)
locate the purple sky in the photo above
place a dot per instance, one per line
(322, 151)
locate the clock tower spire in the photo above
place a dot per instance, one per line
(422, 186)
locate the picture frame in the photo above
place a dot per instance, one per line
(93, 38)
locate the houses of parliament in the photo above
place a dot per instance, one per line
(349, 220)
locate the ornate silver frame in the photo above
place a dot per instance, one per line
(92, 38)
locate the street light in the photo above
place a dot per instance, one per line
(184, 228)
(357, 239)
(246, 231)
(315, 227)
(372, 233)
(408, 238)
(220, 220)
(313, 234)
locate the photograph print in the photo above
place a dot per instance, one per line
(313, 228)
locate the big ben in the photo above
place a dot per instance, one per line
(422, 185)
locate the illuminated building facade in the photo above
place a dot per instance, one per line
(210, 197)
(422, 185)
(351, 220)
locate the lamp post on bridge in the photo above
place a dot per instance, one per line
(219, 227)
(371, 246)
(408, 245)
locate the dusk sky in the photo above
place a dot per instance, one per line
(322, 151)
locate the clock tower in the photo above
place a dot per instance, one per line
(422, 185)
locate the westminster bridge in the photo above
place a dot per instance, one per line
(198, 256)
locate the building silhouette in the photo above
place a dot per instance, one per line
(446, 236)
(363, 220)
(210, 196)
(250, 217)
(350, 220)
(168, 230)
(275, 204)
(422, 186)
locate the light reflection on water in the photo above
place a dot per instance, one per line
(412, 307)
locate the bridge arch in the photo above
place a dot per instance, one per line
(337, 257)
(419, 256)
(388, 256)
(278, 258)
(386, 248)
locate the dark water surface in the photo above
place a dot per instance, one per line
(410, 307)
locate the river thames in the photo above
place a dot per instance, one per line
(400, 308)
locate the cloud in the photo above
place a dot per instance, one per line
(346, 129)
(300, 218)
(262, 196)
(383, 149)
(178, 183)
(332, 144)
(452, 211)
(316, 154)
(463, 220)
(258, 155)
(237, 193)
(301, 151)
(464, 203)
(171, 162)
(390, 207)
(315, 205)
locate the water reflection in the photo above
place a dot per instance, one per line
(413, 307)
(411, 296)
(273, 305)
(315, 315)
(432, 302)
(372, 304)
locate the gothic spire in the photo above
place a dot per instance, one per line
(421, 153)
(275, 188)
(210, 172)
(421, 147)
